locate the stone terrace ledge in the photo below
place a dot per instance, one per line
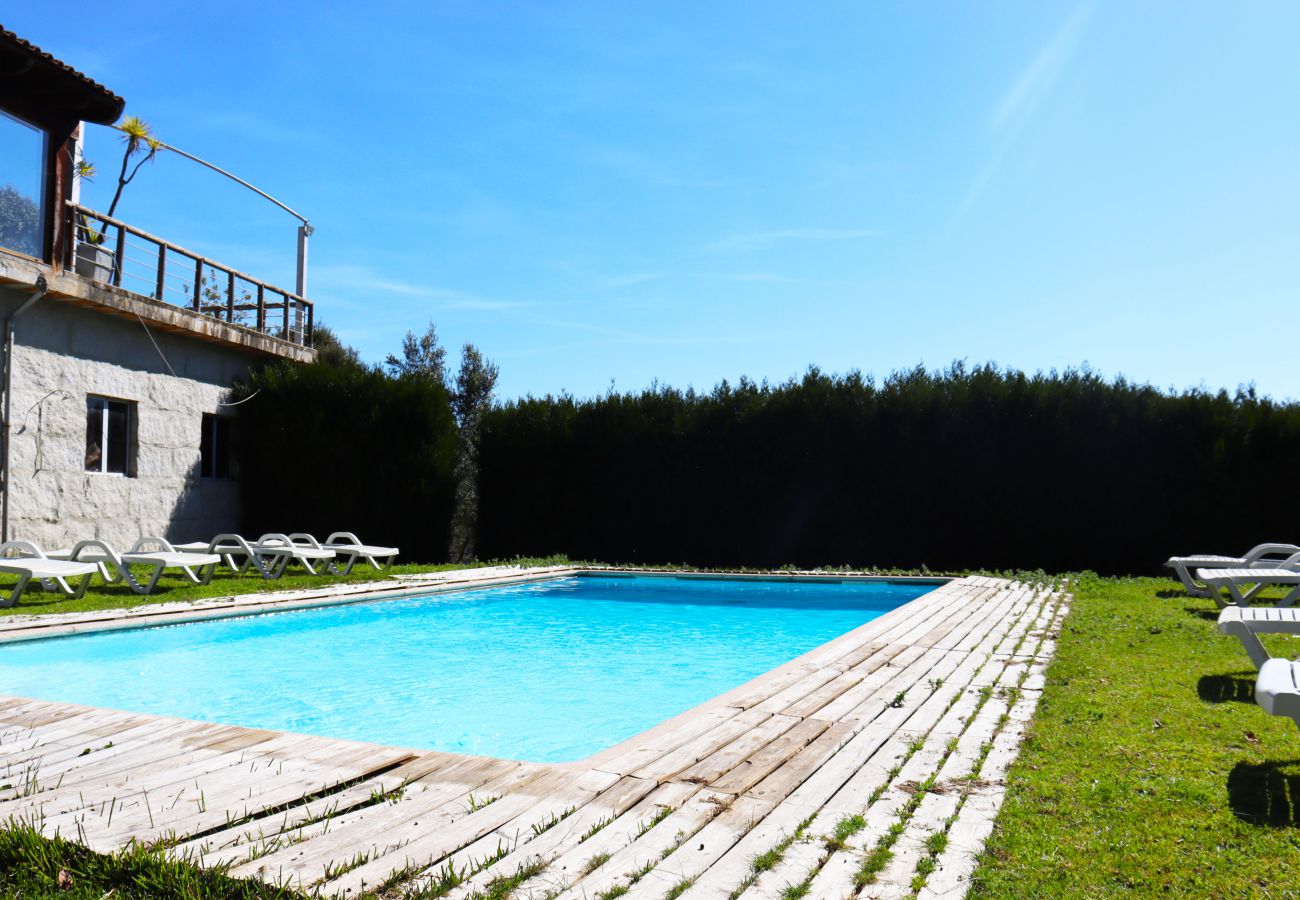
(912, 720)
(21, 273)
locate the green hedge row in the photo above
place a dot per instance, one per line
(963, 468)
(326, 448)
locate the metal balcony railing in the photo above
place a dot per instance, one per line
(109, 251)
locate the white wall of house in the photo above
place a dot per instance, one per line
(65, 352)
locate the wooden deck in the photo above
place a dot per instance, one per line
(898, 730)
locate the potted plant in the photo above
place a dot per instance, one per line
(94, 260)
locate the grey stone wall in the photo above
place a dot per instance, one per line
(64, 352)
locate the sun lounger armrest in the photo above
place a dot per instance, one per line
(302, 537)
(274, 537)
(1230, 620)
(1276, 691)
(1263, 550)
(154, 542)
(21, 548)
(1233, 624)
(102, 547)
(343, 537)
(227, 539)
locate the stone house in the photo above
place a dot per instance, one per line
(120, 347)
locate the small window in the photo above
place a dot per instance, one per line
(215, 447)
(22, 186)
(109, 435)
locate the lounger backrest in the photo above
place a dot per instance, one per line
(21, 548)
(152, 542)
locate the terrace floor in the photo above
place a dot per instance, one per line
(899, 729)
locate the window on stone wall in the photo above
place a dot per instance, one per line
(22, 186)
(110, 436)
(215, 446)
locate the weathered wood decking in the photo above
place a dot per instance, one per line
(898, 730)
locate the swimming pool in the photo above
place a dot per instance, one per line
(549, 671)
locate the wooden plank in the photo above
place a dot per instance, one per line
(702, 850)
(425, 847)
(232, 845)
(737, 751)
(659, 743)
(756, 766)
(376, 830)
(564, 837)
(669, 764)
(951, 876)
(648, 848)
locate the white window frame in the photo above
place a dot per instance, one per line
(103, 436)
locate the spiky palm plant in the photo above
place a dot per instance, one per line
(137, 137)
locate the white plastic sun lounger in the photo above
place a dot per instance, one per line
(295, 551)
(1262, 556)
(1244, 585)
(1247, 624)
(27, 561)
(271, 553)
(349, 549)
(230, 547)
(239, 554)
(1277, 688)
(114, 566)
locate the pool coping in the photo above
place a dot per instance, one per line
(43, 626)
(934, 629)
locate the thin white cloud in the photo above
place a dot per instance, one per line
(754, 239)
(1019, 102)
(633, 278)
(343, 281)
(1043, 71)
(626, 339)
(640, 166)
(760, 278)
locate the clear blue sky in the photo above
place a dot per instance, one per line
(597, 192)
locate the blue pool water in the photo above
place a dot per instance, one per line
(551, 671)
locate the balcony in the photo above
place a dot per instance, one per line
(111, 252)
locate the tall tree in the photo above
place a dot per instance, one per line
(422, 357)
(471, 396)
(20, 222)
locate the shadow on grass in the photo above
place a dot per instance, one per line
(1234, 688)
(1266, 793)
(1170, 594)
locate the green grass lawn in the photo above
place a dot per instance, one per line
(175, 587)
(1149, 770)
(33, 866)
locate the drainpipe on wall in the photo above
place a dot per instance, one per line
(41, 288)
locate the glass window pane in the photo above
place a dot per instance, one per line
(22, 186)
(119, 436)
(205, 447)
(94, 434)
(221, 460)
